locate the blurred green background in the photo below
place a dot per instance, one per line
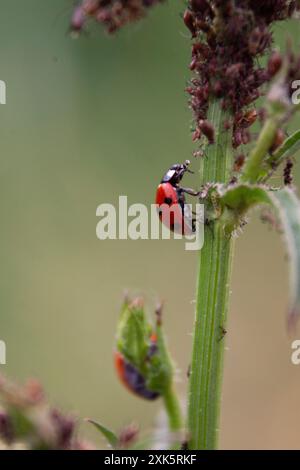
(85, 121)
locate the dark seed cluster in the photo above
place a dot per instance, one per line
(228, 38)
(113, 14)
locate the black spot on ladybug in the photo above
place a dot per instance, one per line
(168, 201)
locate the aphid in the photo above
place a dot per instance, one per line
(199, 153)
(274, 63)
(278, 140)
(246, 137)
(227, 125)
(217, 89)
(223, 333)
(250, 117)
(171, 195)
(258, 41)
(208, 130)
(287, 172)
(234, 71)
(233, 180)
(237, 139)
(196, 134)
(193, 63)
(239, 162)
(247, 119)
(200, 6)
(90, 7)
(189, 22)
(292, 7)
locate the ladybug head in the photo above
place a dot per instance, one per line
(175, 173)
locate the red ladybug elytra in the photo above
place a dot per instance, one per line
(171, 195)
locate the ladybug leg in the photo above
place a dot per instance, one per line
(190, 191)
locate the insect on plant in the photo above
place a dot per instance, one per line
(228, 39)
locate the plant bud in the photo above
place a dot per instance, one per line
(141, 359)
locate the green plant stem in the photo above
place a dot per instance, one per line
(211, 303)
(253, 165)
(173, 410)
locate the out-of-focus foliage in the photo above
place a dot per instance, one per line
(28, 421)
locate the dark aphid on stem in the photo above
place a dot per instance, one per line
(233, 181)
(258, 41)
(237, 138)
(90, 7)
(208, 130)
(239, 162)
(223, 332)
(189, 22)
(287, 172)
(227, 125)
(274, 63)
(200, 153)
(196, 134)
(202, 7)
(248, 118)
(278, 140)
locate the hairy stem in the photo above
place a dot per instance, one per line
(211, 303)
(254, 163)
(173, 410)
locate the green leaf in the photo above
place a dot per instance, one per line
(236, 201)
(111, 438)
(289, 147)
(287, 150)
(288, 210)
(239, 199)
(242, 197)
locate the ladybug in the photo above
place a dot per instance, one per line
(131, 377)
(169, 193)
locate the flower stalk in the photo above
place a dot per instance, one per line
(214, 273)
